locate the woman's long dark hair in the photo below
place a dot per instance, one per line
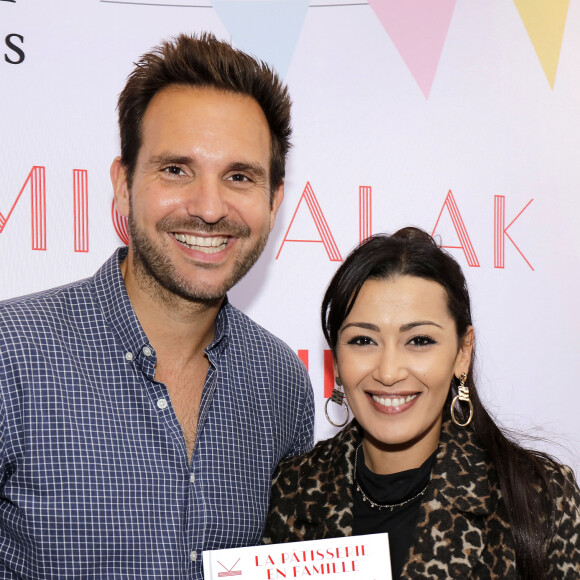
(412, 252)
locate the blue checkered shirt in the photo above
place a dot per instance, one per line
(95, 480)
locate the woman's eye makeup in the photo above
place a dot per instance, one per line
(361, 340)
(421, 340)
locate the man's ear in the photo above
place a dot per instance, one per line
(120, 186)
(463, 361)
(277, 198)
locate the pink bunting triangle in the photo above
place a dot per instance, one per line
(418, 28)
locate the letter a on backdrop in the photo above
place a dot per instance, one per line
(459, 225)
(545, 20)
(267, 29)
(326, 237)
(418, 28)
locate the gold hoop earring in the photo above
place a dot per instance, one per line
(462, 395)
(338, 398)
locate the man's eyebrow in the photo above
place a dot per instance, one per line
(253, 168)
(168, 159)
(411, 325)
(365, 325)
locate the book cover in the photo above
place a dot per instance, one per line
(361, 557)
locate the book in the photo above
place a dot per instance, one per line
(355, 557)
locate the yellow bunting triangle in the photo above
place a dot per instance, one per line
(545, 20)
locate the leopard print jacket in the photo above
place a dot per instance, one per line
(463, 529)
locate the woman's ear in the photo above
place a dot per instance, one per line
(335, 366)
(463, 361)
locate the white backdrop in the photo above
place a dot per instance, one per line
(448, 115)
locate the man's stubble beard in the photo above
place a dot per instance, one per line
(158, 276)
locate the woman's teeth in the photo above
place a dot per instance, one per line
(393, 401)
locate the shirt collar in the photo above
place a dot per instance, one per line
(111, 295)
(222, 329)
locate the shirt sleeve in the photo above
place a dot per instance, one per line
(3, 438)
(2, 443)
(304, 432)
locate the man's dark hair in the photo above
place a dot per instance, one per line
(204, 62)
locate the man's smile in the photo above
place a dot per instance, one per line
(205, 244)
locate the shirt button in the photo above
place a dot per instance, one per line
(193, 555)
(147, 351)
(192, 478)
(162, 404)
(129, 356)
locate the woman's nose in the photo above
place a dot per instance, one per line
(390, 367)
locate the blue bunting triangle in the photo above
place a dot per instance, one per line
(266, 29)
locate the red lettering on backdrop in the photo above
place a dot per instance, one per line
(500, 232)
(365, 215)
(120, 224)
(328, 370)
(461, 230)
(321, 225)
(36, 179)
(328, 374)
(81, 209)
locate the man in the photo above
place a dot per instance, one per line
(141, 415)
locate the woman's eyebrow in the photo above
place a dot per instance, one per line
(365, 325)
(411, 325)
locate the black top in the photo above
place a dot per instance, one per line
(390, 489)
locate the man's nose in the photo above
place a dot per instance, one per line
(206, 198)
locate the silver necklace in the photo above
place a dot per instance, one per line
(381, 506)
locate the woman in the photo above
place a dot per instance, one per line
(423, 460)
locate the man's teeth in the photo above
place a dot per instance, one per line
(206, 245)
(393, 401)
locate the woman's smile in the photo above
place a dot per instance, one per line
(393, 403)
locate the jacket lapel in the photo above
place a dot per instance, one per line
(452, 527)
(328, 479)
